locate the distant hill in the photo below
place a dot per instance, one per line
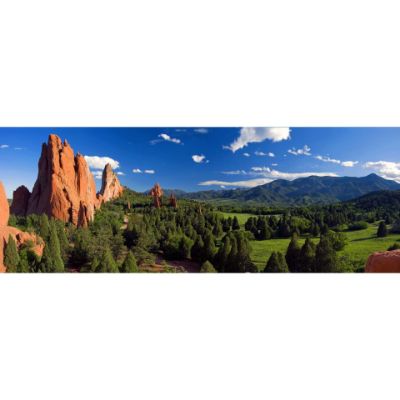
(302, 191)
(385, 200)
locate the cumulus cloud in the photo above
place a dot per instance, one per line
(96, 162)
(258, 135)
(137, 171)
(246, 154)
(120, 173)
(169, 138)
(199, 158)
(334, 161)
(98, 174)
(261, 154)
(4, 146)
(387, 169)
(149, 171)
(305, 151)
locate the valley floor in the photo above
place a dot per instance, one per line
(360, 244)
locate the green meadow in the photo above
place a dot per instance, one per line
(360, 243)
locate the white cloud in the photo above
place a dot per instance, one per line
(18, 148)
(258, 135)
(4, 146)
(199, 158)
(201, 130)
(246, 154)
(387, 169)
(237, 172)
(349, 163)
(98, 174)
(97, 162)
(305, 151)
(261, 154)
(274, 165)
(120, 173)
(274, 174)
(334, 161)
(246, 184)
(169, 138)
(149, 171)
(137, 171)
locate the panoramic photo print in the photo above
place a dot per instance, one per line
(208, 200)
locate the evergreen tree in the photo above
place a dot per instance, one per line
(307, 257)
(235, 224)
(382, 230)
(11, 257)
(185, 247)
(62, 237)
(23, 265)
(107, 262)
(316, 230)
(264, 231)
(230, 265)
(129, 265)
(207, 267)
(293, 254)
(325, 256)
(276, 263)
(209, 247)
(222, 256)
(198, 249)
(44, 226)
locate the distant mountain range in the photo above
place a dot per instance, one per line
(302, 191)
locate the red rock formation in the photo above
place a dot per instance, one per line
(172, 201)
(387, 261)
(20, 201)
(65, 187)
(111, 187)
(19, 236)
(4, 207)
(157, 193)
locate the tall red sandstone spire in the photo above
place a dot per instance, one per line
(111, 187)
(157, 193)
(65, 187)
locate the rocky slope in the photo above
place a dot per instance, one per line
(20, 237)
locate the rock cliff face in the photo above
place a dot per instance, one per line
(111, 187)
(387, 261)
(19, 236)
(4, 207)
(20, 201)
(65, 187)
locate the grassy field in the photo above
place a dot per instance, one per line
(360, 244)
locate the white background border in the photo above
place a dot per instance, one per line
(199, 63)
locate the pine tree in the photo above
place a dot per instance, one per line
(222, 256)
(276, 263)
(209, 247)
(235, 224)
(307, 257)
(44, 226)
(207, 267)
(231, 262)
(23, 265)
(325, 256)
(11, 257)
(382, 230)
(129, 265)
(107, 262)
(62, 237)
(293, 254)
(198, 249)
(264, 231)
(51, 259)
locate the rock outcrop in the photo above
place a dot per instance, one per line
(156, 193)
(4, 207)
(65, 188)
(172, 201)
(111, 188)
(387, 261)
(20, 201)
(20, 237)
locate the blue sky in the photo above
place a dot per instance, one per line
(208, 158)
